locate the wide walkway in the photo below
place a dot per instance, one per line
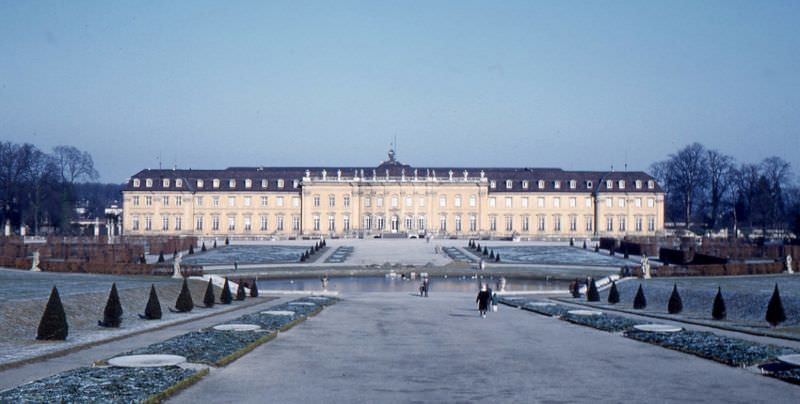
(395, 347)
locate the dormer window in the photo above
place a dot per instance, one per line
(525, 184)
(231, 183)
(509, 184)
(295, 183)
(638, 184)
(165, 183)
(200, 183)
(609, 184)
(621, 184)
(651, 184)
(136, 183)
(215, 183)
(178, 183)
(573, 184)
(148, 183)
(492, 184)
(280, 183)
(248, 183)
(589, 184)
(264, 183)
(557, 184)
(541, 184)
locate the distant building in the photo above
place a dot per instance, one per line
(392, 199)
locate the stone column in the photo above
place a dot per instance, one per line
(35, 264)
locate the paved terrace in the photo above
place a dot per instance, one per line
(395, 347)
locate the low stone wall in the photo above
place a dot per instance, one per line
(714, 269)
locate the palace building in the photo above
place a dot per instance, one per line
(392, 200)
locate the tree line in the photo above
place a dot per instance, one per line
(707, 190)
(42, 190)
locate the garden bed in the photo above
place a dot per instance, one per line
(103, 385)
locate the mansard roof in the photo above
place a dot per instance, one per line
(503, 179)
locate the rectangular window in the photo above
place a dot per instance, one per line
(525, 184)
(409, 222)
(421, 223)
(248, 225)
(442, 201)
(200, 183)
(135, 222)
(638, 202)
(609, 223)
(493, 223)
(148, 223)
(651, 202)
(379, 223)
(409, 201)
(164, 222)
(540, 184)
(556, 202)
(540, 202)
(247, 201)
(315, 221)
(346, 201)
(492, 202)
(573, 223)
(524, 202)
(178, 201)
(214, 223)
(573, 202)
(622, 223)
(589, 223)
(609, 202)
(651, 223)
(316, 201)
(346, 223)
(367, 222)
(215, 201)
(473, 201)
(178, 222)
(296, 223)
(295, 202)
(557, 223)
(135, 201)
(248, 183)
(199, 201)
(557, 184)
(540, 222)
(458, 223)
(473, 223)
(331, 201)
(198, 223)
(148, 201)
(280, 183)
(231, 201)
(443, 223)
(509, 202)
(367, 202)
(621, 202)
(165, 200)
(279, 201)
(264, 223)
(509, 184)
(637, 223)
(526, 223)
(588, 202)
(264, 201)
(264, 183)
(279, 223)
(395, 201)
(331, 223)
(457, 201)
(379, 201)
(509, 223)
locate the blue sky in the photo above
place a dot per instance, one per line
(571, 84)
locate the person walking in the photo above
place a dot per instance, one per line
(426, 284)
(494, 301)
(483, 300)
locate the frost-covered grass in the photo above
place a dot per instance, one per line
(246, 254)
(557, 255)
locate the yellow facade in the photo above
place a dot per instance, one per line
(391, 200)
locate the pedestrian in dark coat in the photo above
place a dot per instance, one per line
(483, 299)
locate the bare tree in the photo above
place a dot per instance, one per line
(720, 177)
(75, 165)
(684, 174)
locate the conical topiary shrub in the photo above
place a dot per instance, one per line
(675, 304)
(215, 243)
(254, 288)
(497, 257)
(191, 249)
(227, 242)
(611, 251)
(53, 324)
(491, 255)
(613, 293)
(208, 299)
(161, 257)
(225, 297)
(485, 251)
(112, 314)
(153, 309)
(478, 247)
(571, 242)
(718, 312)
(596, 248)
(203, 247)
(584, 244)
(240, 295)
(639, 301)
(591, 293)
(775, 312)
(184, 304)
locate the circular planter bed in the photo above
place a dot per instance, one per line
(237, 327)
(146, 361)
(585, 313)
(793, 359)
(278, 313)
(657, 328)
